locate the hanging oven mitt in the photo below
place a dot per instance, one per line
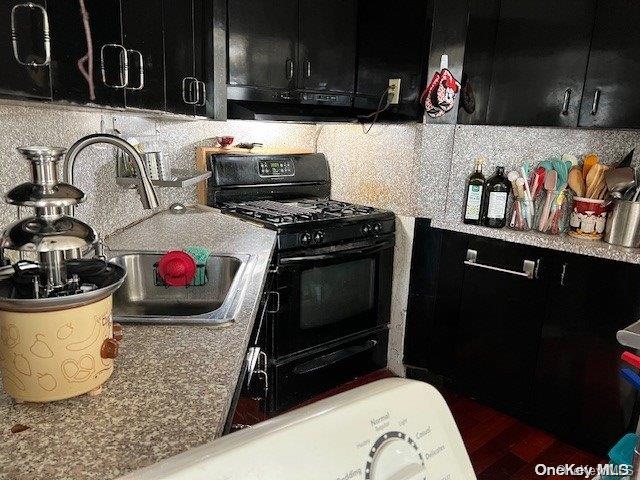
(439, 96)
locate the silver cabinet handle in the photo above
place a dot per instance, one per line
(307, 68)
(565, 102)
(596, 101)
(191, 82)
(124, 65)
(290, 66)
(140, 86)
(276, 308)
(202, 98)
(529, 267)
(45, 33)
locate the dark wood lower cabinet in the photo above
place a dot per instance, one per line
(542, 348)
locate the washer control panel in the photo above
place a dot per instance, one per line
(392, 429)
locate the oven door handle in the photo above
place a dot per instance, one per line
(333, 357)
(335, 255)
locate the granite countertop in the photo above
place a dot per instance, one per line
(172, 386)
(564, 243)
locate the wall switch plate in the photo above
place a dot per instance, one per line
(394, 91)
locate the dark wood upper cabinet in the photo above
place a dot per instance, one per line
(25, 67)
(610, 97)
(185, 91)
(263, 43)
(542, 49)
(399, 50)
(327, 48)
(83, 43)
(143, 38)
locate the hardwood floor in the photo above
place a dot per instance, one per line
(500, 446)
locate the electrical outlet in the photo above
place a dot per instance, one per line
(394, 91)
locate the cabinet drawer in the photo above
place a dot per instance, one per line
(301, 379)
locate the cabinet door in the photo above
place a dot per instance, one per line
(181, 83)
(499, 323)
(17, 79)
(143, 38)
(400, 50)
(540, 62)
(437, 271)
(579, 394)
(327, 53)
(610, 98)
(78, 41)
(263, 43)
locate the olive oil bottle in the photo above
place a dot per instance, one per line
(496, 194)
(475, 191)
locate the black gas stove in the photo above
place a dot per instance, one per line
(314, 222)
(327, 302)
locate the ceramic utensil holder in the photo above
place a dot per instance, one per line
(588, 218)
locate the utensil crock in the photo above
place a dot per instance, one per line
(623, 226)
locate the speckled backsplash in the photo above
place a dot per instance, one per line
(108, 206)
(510, 146)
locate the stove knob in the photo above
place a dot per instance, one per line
(318, 237)
(305, 239)
(366, 229)
(377, 227)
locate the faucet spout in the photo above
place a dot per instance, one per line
(146, 190)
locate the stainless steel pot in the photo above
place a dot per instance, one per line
(623, 224)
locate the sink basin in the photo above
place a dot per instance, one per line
(141, 300)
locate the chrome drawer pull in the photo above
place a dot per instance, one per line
(565, 103)
(529, 267)
(596, 101)
(192, 81)
(124, 65)
(141, 76)
(45, 33)
(202, 97)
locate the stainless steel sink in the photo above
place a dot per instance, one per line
(141, 299)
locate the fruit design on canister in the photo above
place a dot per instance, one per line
(65, 331)
(47, 381)
(9, 335)
(93, 337)
(21, 364)
(78, 371)
(40, 348)
(9, 377)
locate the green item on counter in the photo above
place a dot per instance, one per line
(200, 255)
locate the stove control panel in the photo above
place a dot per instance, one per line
(391, 429)
(278, 167)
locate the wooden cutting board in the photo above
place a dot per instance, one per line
(203, 152)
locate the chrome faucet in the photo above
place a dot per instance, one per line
(147, 193)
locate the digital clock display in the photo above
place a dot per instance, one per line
(281, 168)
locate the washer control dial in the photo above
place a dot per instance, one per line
(394, 456)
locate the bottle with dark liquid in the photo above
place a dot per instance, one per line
(496, 193)
(473, 199)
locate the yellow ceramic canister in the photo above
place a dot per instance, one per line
(52, 355)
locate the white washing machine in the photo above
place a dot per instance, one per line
(392, 429)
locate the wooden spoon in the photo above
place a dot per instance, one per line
(576, 182)
(589, 161)
(593, 178)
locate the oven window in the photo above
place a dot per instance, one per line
(337, 292)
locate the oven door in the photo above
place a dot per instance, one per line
(326, 294)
